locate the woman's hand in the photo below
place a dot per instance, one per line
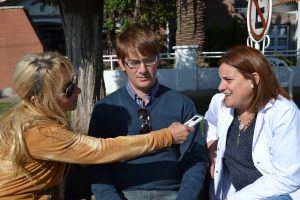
(212, 162)
(179, 132)
(212, 149)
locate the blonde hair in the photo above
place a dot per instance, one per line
(39, 76)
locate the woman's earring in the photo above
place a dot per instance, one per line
(252, 86)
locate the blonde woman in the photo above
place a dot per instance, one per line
(36, 141)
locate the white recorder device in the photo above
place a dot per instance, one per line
(194, 120)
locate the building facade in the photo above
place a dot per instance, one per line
(15, 41)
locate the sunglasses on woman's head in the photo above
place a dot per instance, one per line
(70, 87)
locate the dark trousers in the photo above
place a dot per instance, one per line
(76, 185)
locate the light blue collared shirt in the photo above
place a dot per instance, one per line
(152, 93)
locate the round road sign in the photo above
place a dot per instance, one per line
(258, 18)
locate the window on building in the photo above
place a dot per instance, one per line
(52, 37)
(279, 37)
(42, 8)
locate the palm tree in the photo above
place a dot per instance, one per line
(190, 25)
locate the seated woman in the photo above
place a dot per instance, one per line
(254, 127)
(36, 141)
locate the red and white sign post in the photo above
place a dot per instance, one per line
(258, 21)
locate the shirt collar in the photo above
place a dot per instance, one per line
(151, 94)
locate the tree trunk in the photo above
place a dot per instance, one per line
(190, 25)
(137, 7)
(83, 22)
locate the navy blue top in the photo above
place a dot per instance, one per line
(180, 168)
(238, 155)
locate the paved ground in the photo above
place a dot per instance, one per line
(9, 99)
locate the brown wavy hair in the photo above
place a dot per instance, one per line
(137, 37)
(249, 60)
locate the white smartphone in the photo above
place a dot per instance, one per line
(194, 120)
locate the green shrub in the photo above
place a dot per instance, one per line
(6, 106)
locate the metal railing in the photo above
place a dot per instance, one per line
(280, 66)
(110, 61)
(285, 53)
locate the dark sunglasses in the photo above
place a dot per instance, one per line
(144, 116)
(70, 87)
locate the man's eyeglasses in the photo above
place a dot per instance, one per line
(70, 87)
(144, 116)
(148, 62)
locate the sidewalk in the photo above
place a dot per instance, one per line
(9, 99)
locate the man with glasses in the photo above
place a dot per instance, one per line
(137, 108)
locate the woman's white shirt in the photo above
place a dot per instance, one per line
(275, 149)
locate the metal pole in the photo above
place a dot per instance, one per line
(298, 34)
